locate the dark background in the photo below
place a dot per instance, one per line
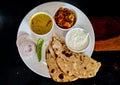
(12, 69)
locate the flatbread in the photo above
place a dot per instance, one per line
(77, 64)
(55, 72)
(82, 69)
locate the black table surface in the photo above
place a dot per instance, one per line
(13, 71)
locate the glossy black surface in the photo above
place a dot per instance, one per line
(12, 69)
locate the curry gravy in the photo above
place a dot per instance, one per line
(41, 23)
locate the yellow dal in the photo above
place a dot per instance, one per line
(41, 24)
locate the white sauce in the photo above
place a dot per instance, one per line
(77, 39)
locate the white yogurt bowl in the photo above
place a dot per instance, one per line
(77, 40)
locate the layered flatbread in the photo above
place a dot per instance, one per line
(65, 65)
(55, 72)
(77, 64)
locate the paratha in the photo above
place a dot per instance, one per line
(55, 72)
(71, 63)
(65, 65)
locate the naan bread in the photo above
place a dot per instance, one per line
(54, 70)
(77, 64)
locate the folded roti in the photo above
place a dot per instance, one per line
(55, 72)
(77, 64)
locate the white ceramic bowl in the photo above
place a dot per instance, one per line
(45, 14)
(70, 8)
(77, 40)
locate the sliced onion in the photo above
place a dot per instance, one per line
(27, 48)
(21, 38)
(25, 45)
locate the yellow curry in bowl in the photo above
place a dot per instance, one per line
(41, 23)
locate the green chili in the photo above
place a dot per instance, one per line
(39, 48)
